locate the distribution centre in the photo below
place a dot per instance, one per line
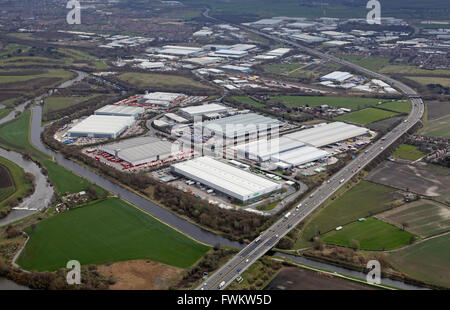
(236, 183)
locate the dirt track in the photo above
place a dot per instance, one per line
(291, 278)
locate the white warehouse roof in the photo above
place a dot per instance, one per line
(263, 149)
(327, 134)
(225, 178)
(300, 156)
(102, 125)
(337, 76)
(119, 110)
(239, 125)
(203, 109)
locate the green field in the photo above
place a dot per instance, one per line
(338, 102)
(371, 63)
(52, 73)
(423, 217)
(397, 106)
(294, 69)
(4, 112)
(425, 80)
(248, 100)
(21, 185)
(106, 232)
(371, 234)
(366, 116)
(427, 261)
(64, 57)
(412, 70)
(58, 103)
(161, 81)
(439, 127)
(409, 152)
(362, 200)
(14, 135)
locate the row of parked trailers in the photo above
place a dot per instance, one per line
(154, 163)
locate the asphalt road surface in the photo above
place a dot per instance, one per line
(269, 238)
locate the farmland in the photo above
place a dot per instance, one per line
(423, 217)
(437, 109)
(397, 106)
(50, 74)
(439, 127)
(338, 102)
(106, 232)
(6, 183)
(425, 80)
(362, 200)
(292, 278)
(427, 261)
(371, 234)
(416, 179)
(366, 116)
(409, 152)
(13, 183)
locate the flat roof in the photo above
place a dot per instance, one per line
(162, 96)
(205, 108)
(120, 109)
(226, 177)
(327, 134)
(241, 124)
(337, 75)
(300, 155)
(176, 117)
(102, 124)
(138, 149)
(264, 148)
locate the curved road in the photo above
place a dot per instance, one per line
(269, 238)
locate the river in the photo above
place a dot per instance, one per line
(158, 212)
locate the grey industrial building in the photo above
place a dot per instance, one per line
(139, 150)
(120, 110)
(241, 127)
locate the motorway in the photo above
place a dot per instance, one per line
(269, 238)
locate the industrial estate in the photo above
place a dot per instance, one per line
(211, 145)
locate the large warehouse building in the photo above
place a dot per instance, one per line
(289, 152)
(238, 127)
(120, 110)
(203, 109)
(263, 149)
(241, 185)
(325, 134)
(163, 99)
(139, 150)
(337, 76)
(101, 126)
(300, 156)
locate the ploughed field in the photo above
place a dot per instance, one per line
(291, 278)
